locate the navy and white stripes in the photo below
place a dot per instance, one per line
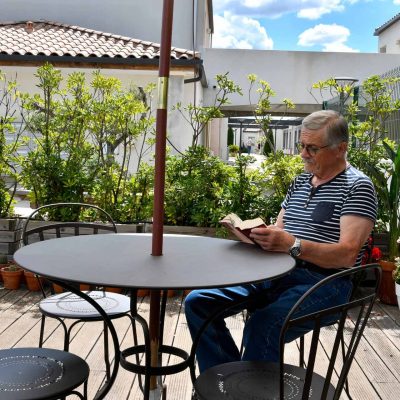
(314, 213)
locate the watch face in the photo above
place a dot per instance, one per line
(295, 251)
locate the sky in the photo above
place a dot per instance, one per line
(304, 25)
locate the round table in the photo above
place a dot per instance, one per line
(125, 260)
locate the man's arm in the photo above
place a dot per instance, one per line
(354, 231)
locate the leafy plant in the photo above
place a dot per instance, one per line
(62, 165)
(245, 190)
(396, 272)
(9, 106)
(262, 112)
(194, 189)
(386, 177)
(121, 123)
(12, 267)
(198, 116)
(136, 203)
(230, 136)
(279, 170)
(233, 149)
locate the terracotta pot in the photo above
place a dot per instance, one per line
(32, 282)
(170, 293)
(143, 292)
(11, 278)
(186, 292)
(113, 289)
(2, 266)
(84, 286)
(57, 288)
(386, 292)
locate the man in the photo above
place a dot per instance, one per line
(249, 143)
(325, 220)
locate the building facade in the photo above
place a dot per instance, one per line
(389, 36)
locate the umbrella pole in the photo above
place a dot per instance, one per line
(159, 172)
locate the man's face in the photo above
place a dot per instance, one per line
(319, 158)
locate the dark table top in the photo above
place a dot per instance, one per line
(125, 260)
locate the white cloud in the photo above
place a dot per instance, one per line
(324, 7)
(330, 37)
(310, 9)
(396, 2)
(237, 32)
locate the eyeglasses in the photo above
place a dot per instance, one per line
(310, 149)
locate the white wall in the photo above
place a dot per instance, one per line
(389, 38)
(139, 19)
(290, 73)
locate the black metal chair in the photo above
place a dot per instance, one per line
(67, 305)
(33, 374)
(265, 380)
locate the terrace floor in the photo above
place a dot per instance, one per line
(375, 374)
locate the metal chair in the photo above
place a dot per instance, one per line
(33, 374)
(67, 305)
(265, 380)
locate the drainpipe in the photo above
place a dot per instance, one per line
(200, 75)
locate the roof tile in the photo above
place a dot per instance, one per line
(53, 38)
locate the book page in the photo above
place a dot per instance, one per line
(251, 223)
(241, 229)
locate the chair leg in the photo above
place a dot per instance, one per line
(135, 343)
(68, 331)
(246, 316)
(106, 353)
(301, 352)
(41, 334)
(346, 382)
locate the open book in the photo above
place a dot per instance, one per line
(241, 229)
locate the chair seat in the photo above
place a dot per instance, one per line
(39, 373)
(256, 380)
(69, 305)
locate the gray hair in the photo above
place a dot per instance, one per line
(337, 130)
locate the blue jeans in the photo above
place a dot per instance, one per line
(261, 332)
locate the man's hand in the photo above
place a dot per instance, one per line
(273, 238)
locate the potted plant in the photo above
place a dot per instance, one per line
(396, 277)
(386, 177)
(12, 275)
(233, 150)
(32, 281)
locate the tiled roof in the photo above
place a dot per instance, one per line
(386, 25)
(44, 38)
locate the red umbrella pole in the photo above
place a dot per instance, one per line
(159, 173)
(161, 127)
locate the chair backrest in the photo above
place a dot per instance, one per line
(77, 219)
(357, 310)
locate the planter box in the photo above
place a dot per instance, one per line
(189, 230)
(121, 228)
(10, 234)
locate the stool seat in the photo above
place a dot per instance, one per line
(69, 305)
(39, 373)
(258, 380)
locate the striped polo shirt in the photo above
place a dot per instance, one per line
(313, 213)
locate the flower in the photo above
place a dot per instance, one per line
(376, 254)
(372, 253)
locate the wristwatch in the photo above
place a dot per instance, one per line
(295, 250)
